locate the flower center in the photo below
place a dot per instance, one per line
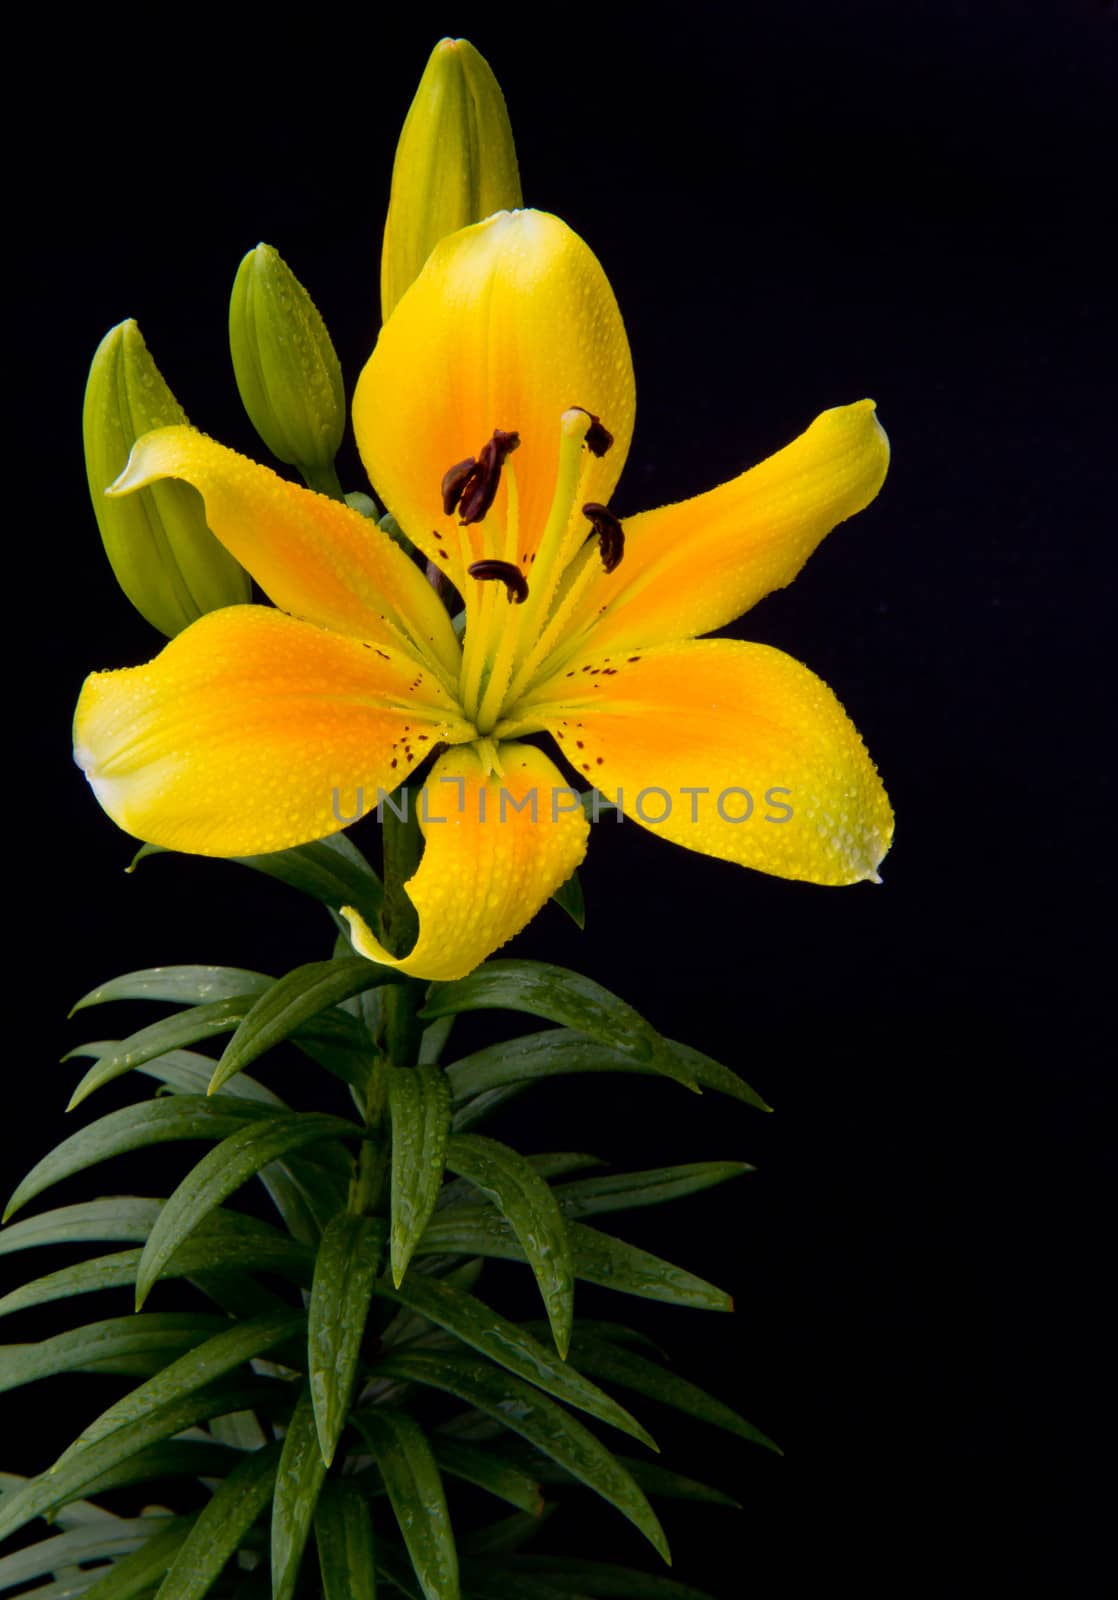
(504, 645)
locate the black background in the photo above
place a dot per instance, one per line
(798, 205)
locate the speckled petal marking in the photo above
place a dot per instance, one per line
(489, 863)
(252, 731)
(788, 785)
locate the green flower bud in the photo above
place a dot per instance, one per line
(164, 556)
(455, 163)
(286, 367)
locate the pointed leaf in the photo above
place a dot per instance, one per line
(189, 1072)
(298, 1482)
(415, 1490)
(344, 1536)
(345, 1269)
(332, 871)
(419, 1105)
(570, 897)
(633, 1371)
(74, 1472)
(536, 1418)
(511, 1347)
(223, 1352)
(487, 1469)
(558, 1051)
(185, 1027)
(100, 1344)
(527, 1203)
(292, 1002)
(602, 1578)
(622, 1191)
(142, 1571)
(107, 1540)
(220, 1173)
(598, 1257)
(134, 1128)
(190, 986)
(221, 1526)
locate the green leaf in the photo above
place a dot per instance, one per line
(298, 1482)
(527, 1203)
(547, 991)
(622, 1191)
(602, 1578)
(652, 1477)
(177, 1458)
(415, 1489)
(293, 1001)
(189, 1072)
(332, 871)
(504, 1536)
(598, 1257)
(140, 1572)
(570, 897)
(511, 1347)
(222, 1171)
(486, 1581)
(185, 1027)
(536, 1418)
(344, 1536)
(133, 1128)
(471, 1112)
(558, 1051)
(97, 1541)
(100, 1344)
(190, 986)
(617, 1365)
(221, 1526)
(419, 1105)
(488, 1470)
(74, 1472)
(346, 1267)
(221, 1353)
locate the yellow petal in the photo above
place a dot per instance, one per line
(251, 732)
(741, 751)
(312, 556)
(510, 323)
(488, 865)
(693, 567)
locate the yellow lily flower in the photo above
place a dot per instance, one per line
(494, 417)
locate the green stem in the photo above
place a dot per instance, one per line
(324, 480)
(399, 928)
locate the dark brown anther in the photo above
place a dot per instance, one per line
(610, 534)
(471, 486)
(598, 438)
(508, 574)
(455, 480)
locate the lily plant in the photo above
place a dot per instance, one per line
(330, 1373)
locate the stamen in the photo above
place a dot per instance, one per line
(507, 573)
(471, 486)
(598, 438)
(455, 480)
(610, 534)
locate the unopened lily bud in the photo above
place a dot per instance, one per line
(286, 367)
(455, 163)
(164, 556)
